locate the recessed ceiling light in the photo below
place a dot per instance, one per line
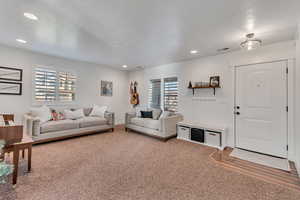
(124, 66)
(21, 41)
(31, 16)
(193, 51)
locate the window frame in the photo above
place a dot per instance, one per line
(162, 91)
(151, 97)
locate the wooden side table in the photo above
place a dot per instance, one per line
(26, 143)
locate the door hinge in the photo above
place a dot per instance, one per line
(287, 147)
(287, 70)
(287, 109)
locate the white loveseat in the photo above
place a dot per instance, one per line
(55, 130)
(163, 128)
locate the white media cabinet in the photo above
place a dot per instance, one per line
(213, 136)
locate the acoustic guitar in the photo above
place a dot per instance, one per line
(134, 100)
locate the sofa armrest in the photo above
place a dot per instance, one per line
(32, 125)
(168, 124)
(110, 116)
(128, 117)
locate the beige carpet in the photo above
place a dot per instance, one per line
(121, 165)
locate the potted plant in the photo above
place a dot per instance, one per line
(5, 169)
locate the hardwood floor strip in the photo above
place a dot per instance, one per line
(268, 174)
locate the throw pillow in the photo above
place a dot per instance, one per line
(139, 109)
(147, 114)
(77, 114)
(43, 113)
(54, 115)
(156, 113)
(98, 111)
(61, 116)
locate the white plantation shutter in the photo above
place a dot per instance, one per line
(45, 84)
(66, 89)
(54, 86)
(171, 94)
(154, 93)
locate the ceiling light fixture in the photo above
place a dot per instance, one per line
(124, 66)
(31, 16)
(251, 42)
(193, 51)
(21, 41)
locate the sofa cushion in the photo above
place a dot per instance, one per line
(146, 122)
(91, 121)
(60, 125)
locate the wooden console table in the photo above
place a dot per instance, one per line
(26, 143)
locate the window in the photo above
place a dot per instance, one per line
(53, 86)
(66, 90)
(171, 94)
(154, 93)
(45, 85)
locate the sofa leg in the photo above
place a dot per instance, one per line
(112, 130)
(126, 129)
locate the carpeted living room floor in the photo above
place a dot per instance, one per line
(122, 165)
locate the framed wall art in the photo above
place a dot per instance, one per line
(10, 88)
(106, 88)
(10, 74)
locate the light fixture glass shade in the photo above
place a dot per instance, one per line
(251, 42)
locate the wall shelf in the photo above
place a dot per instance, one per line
(204, 87)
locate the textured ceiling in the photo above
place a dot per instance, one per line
(143, 32)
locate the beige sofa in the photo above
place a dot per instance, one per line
(55, 130)
(163, 128)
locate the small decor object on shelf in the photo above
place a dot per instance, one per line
(10, 88)
(214, 81)
(190, 85)
(5, 169)
(106, 88)
(134, 100)
(10, 74)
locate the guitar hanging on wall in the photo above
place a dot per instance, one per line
(134, 100)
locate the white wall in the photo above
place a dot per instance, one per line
(212, 110)
(87, 87)
(297, 113)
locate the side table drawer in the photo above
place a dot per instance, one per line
(183, 132)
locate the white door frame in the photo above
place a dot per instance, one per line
(290, 102)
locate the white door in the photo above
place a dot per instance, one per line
(261, 115)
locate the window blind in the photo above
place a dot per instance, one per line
(66, 89)
(171, 94)
(45, 84)
(154, 93)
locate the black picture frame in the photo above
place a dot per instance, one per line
(11, 83)
(20, 78)
(214, 81)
